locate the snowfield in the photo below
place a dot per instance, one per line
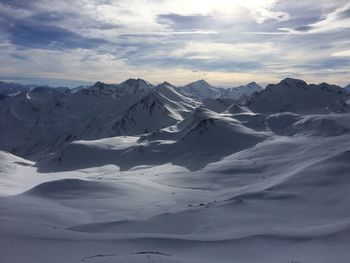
(140, 173)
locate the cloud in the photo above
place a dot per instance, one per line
(262, 15)
(115, 39)
(337, 20)
(181, 22)
(303, 28)
(344, 53)
(49, 37)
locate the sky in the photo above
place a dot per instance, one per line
(226, 42)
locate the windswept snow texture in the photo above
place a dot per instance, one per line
(134, 172)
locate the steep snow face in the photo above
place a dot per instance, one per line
(292, 95)
(149, 114)
(200, 89)
(171, 93)
(241, 93)
(161, 108)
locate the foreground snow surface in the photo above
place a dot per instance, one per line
(283, 200)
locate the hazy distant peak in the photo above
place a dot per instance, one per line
(201, 83)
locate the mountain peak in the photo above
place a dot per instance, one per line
(200, 89)
(292, 82)
(201, 83)
(99, 84)
(132, 82)
(294, 95)
(165, 83)
(253, 83)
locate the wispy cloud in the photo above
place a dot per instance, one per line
(344, 53)
(337, 20)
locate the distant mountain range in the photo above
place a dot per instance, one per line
(36, 120)
(199, 89)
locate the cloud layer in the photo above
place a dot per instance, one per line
(226, 42)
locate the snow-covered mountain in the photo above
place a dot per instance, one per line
(133, 172)
(200, 89)
(203, 90)
(192, 136)
(40, 120)
(11, 89)
(7, 89)
(161, 108)
(241, 92)
(130, 108)
(44, 119)
(293, 95)
(128, 87)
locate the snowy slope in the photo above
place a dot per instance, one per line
(171, 93)
(149, 114)
(290, 193)
(292, 95)
(289, 124)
